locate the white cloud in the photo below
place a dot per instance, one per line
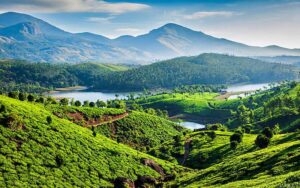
(205, 14)
(100, 19)
(53, 6)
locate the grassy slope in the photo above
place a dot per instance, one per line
(248, 165)
(28, 155)
(199, 107)
(141, 130)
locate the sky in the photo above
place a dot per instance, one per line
(253, 22)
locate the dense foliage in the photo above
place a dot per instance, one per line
(203, 69)
(39, 77)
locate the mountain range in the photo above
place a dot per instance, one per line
(25, 37)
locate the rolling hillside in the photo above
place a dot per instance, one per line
(202, 69)
(35, 152)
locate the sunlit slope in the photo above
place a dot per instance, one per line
(60, 154)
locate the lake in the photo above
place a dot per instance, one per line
(88, 95)
(250, 88)
(83, 95)
(247, 87)
(192, 125)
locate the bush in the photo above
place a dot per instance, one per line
(262, 141)
(22, 96)
(268, 132)
(216, 126)
(64, 102)
(77, 103)
(203, 157)
(30, 98)
(92, 104)
(13, 94)
(234, 145)
(49, 120)
(236, 137)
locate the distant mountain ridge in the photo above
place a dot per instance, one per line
(25, 37)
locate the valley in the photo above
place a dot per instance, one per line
(162, 99)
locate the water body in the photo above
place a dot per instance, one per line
(88, 95)
(192, 125)
(83, 95)
(249, 88)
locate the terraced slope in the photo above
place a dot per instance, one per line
(36, 152)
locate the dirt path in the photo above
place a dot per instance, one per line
(115, 118)
(186, 150)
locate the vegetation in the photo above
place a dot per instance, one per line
(202, 69)
(40, 77)
(61, 154)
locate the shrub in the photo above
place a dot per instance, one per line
(59, 160)
(236, 137)
(203, 157)
(13, 94)
(77, 103)
(30, 98)
(268, 132)
(262, 141)
(234, 145)
(2, 108)
(49, 120)
(22, 96)
(92, 104)
(64, 102)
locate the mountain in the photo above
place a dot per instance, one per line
(202, 69)
(29, 38)
(26, 37)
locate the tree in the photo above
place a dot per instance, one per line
(30, 98)
(92, 104)
(49, 120)
(64, 102)
(236, 137)
(13, 94)
(22, 96)
(268, 132)
(234, 145)
(100, 104)
(262, 141)
(77, 103)
(86, 103)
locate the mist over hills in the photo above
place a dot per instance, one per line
(25, 37)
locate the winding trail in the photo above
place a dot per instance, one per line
(115, 118)
(186, 150)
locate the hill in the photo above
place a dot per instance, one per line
(40, 77)
(28, 38)
(202, 69)
(247, 166)
(35, 152)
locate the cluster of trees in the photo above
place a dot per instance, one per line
(40, 77)
(152, 111)
(99, 103)
(198, 88)
(22, 96)
(203, 69)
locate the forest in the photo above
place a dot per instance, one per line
(212, 69)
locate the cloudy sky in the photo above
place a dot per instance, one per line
(254, 22)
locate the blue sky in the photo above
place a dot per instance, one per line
(254, 22)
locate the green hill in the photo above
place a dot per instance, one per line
(141, 130)
(36, 152)
(247, 166)
(40, 77)
(202, 69)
